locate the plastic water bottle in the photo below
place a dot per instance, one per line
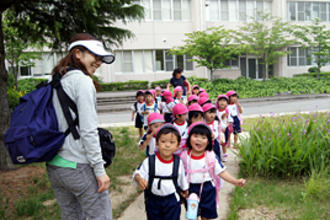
(192, 204)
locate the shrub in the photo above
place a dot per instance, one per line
(318, 185)
(284, 148)
(120, 86)
(13, 97)
(28, 85)
(161, 83)
(313, 69)
(323, 75)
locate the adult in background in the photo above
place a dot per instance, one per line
(76, 173)
(179, 80)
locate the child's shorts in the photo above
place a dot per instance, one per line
(138, 121)
(168, 117)
(236, 125)
(162, 207)
(207, 204)
(216, 149)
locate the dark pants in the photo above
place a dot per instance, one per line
(163, 207)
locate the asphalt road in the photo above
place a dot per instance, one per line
(249, 109)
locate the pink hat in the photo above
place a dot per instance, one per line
(167, 93)
(222, 96)
(155, 117)
(152, 91)
(195, 107)
(179, 109)
(171, 126)
(202, 100)
(202, 90)
(198, 123)
(230, 93)
(195, 87)
(193, 97)
(207, 107)
(203, 94)
(178, 89)
(158, 88)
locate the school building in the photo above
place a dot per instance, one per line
(146, 57)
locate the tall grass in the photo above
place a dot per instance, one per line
(287, 148)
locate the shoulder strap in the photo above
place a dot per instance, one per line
(152, 165)
(175, 173)
(155, 107)
(66, 103)
(135, 106)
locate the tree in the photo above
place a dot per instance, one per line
(267, 38)
(55, 22)
(15, 48)
(316, 37)
(210, 48)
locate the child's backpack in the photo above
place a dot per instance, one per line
(33, 135)
(152, 176)
(211, 161)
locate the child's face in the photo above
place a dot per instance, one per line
(233, 99)
(222, 103)
(140, 98)
(155, 126)
(148, 98)
(197, 118)
(209, 116)
(167, 144)
(195, 91)
(198, 143)
(158, 92)
(181, 118)
(179, 94)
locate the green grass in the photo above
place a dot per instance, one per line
(289, 197)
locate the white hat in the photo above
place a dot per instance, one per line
(95, 47)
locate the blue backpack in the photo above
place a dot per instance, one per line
(33, 135)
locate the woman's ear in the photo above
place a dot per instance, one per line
(77, 53)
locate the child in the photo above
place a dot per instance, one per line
(192, 99)
(225, 123)
(204, 94)
(180, 117)
(136, 108)
(148, 142)
(148, 107)
(178, 98)
(158, 95)
(203, 100)
(162, 177)
(195, 90)
(235, 109)
(167, 105)
(210, 113)
(202, 170)
(200, 91)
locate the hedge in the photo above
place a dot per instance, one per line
(192, 80)
(120, 86)
(313, 74)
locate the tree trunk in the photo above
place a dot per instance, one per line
(5, 162)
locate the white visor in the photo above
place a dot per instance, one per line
(95, 47)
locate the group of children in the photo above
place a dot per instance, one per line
(186, 140)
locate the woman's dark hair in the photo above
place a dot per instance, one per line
(139, 93)
(202, 130)
(176, 71)
(70, 59)
(193, 114)
(167, 131)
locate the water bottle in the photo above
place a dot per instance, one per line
(192, 206)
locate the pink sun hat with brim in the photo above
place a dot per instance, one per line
(195, 86)
(230, 93)
(202, 100)
(203, 94)
(207, 107)
(178, 89)
(222, 96)
(195, 107)
(193, 97)
(158, 88)
(170, 126)
(179, 109)
(202, 90)
(155, 118)
(167, 93)
(153, 91)
(198, 123)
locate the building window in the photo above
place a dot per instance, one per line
(234, 10)
(164, 61)
(300, 57)
(233, 63)
(307, 11)
(167, 10)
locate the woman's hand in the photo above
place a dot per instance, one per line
(103, 183)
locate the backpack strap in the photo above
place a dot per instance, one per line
(152, 165)
(66, 103)
(135, 106)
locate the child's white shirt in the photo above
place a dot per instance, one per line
(233, 109)
(138, 107)
(197, 163)
(214, 125)
(181, 127)
(151, 144)
(151, 109)
(224, 121)
(166, 107)
(163, 168)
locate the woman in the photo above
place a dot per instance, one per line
(179, 80)
(77, 174)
